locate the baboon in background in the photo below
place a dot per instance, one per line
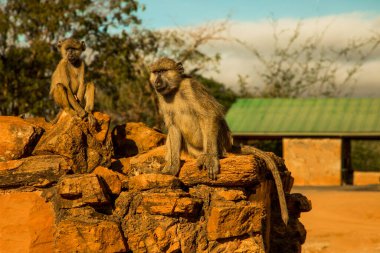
(193, 117)
(67, 84)
(195, 122)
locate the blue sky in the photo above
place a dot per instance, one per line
(169, 13)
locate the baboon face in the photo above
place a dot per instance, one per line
(71, 49)
(166, 76)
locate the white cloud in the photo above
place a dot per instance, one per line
(236, 60)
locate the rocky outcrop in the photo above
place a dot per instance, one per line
(133, 138)
(18, 137)
(26, 222)
(129, 206)
(73, 138)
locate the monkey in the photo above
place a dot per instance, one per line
(195, 120)
(196, 124)
(67, 83)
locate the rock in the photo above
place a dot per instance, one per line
(229, 194)
(26, 222)
(169, 203)
(32, 170)
(298, 203)
(122, 203)
(79, 236)
(134, 138)
(247, 245)
(103, 121)
(18, 137)
(150, 162)
(73, 138)
(150, 181)
(80, 190)
(228, 219)
(40, 122)
(235, 170)
(112, 179)
(156, 233)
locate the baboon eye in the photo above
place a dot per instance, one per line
(158, 72)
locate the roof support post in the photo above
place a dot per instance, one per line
(347, 171)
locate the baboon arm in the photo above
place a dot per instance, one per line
(59, 77)
(210, 136)
(89, 97)
(209, 159)
(74, 103)
(173, 150)
(82, 86)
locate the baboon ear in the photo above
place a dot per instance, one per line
(59, 44)
(83, 45)
(180, 67)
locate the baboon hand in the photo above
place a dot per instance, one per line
(91, 120)
(211, 163)
(171, 168)
(82, 113)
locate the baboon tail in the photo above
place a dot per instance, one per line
(276, 176)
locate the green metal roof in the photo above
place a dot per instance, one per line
(305, 117)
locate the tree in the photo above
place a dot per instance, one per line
(305, 68)
(28, 29)
(118, 55)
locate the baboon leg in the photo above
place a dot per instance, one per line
(173, 151)
(61, 98)
(210, 157)
(74, 104)
(89, 97)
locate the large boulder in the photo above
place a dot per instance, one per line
(89, 236)
(135, 137)
(26, 222)
(75, 139)
(37, 171)
(18, 137)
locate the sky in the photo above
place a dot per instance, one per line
(250, 22)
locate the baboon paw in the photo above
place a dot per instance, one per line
(211, 163)
(91, 120)
(201, 160)
(170, 170)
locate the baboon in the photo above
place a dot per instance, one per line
(67, 84)
(195, 122)
(193, 117)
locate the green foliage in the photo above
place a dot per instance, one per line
(118, 53)
(28, 31)
(365, 155)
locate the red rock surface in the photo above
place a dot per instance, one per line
(78, 236)
(26, 223)
(133, 138)
(129, 206)
(74, 139)
(18, 137)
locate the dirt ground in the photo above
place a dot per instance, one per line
(343, 219)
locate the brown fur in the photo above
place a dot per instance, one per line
(271, 165)
(196, 124)
(195, 120)
(67, 84)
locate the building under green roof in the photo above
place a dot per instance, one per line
(319, 117)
